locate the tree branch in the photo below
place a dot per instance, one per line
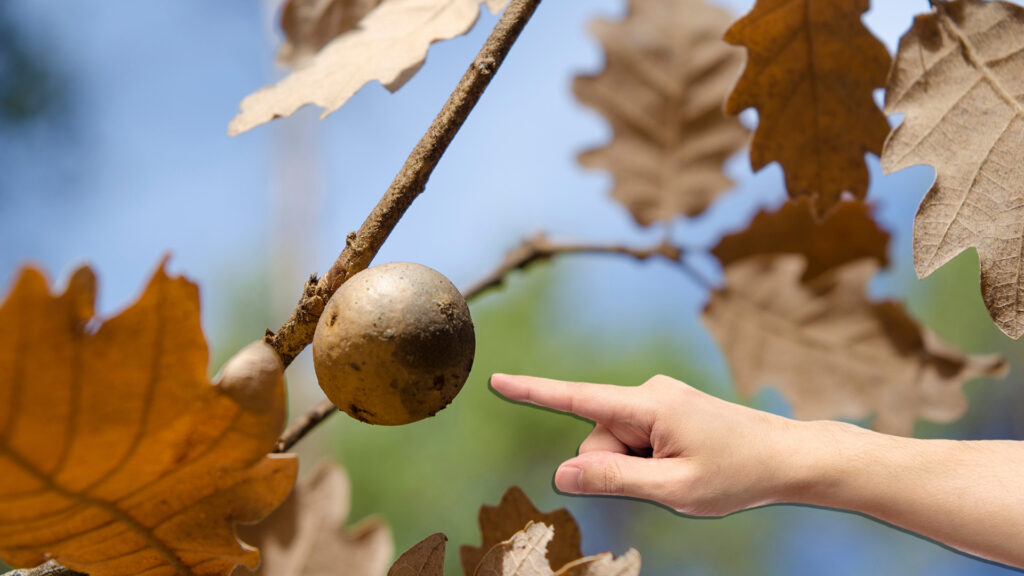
(362, 246)
(533, 249)
(538, 247)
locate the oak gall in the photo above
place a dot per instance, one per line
(394, 345)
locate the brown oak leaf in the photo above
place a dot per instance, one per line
(812, 66)
(846, 234)
(423, 559)
(833, 352)
(524, 554)
(499, 523)
(308, 25)
(389, 45)
(666, 74)
(306, 535)
(117, 455)
(959, 81)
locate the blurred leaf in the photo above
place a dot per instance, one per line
(848, 233)
(310, 24)
(812, 66)
(958, 81)
(525, 555)
(666, 76)
(306, 535)
(389, 46)
(499, 523)
(832, 352)
(117, 456)
(423, 559)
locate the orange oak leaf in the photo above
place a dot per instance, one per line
(308, 25)
(811, 70)
(117, 455)
(499, 523)
(833, 352)
(666, 74)
(306, 536)
(423, 559)
(524, 554)
(389, 46)
(959, 81)
(846, 234)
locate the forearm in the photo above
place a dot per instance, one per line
(968, 495)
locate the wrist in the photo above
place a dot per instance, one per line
(827, 461)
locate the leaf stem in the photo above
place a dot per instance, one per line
(411, 180)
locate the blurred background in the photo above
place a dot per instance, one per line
(113, 151)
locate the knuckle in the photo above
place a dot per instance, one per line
(663, 384)
(612, 478)
(603, 476)
(656, 381)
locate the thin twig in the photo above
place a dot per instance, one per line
(531, 250)
(538, 247)
(304, 424)
(362, 246)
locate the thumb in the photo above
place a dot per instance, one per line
(619, 475)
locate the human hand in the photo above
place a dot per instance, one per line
(670, 443)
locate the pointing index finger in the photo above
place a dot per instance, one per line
(596, 402)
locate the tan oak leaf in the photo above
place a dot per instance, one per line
(846, 234)
(831, 351)
(667, 73)
(959, 81)
(811, 69)
(308, 25)
(524, 554)
(306, 535)
(499, 523)
(389, 46)
(117, 455)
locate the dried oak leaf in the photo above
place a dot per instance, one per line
(812, 66)
(308, 25)
(499, 523)
(662, 88)
(525, 555)
(389, 45)
(831, 351)
(846, 234)
(117, 456)
(306, 536)
(959, 81)
(423, 559)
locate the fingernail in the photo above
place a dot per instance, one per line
(569, 479)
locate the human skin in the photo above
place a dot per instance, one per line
(670, 443)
